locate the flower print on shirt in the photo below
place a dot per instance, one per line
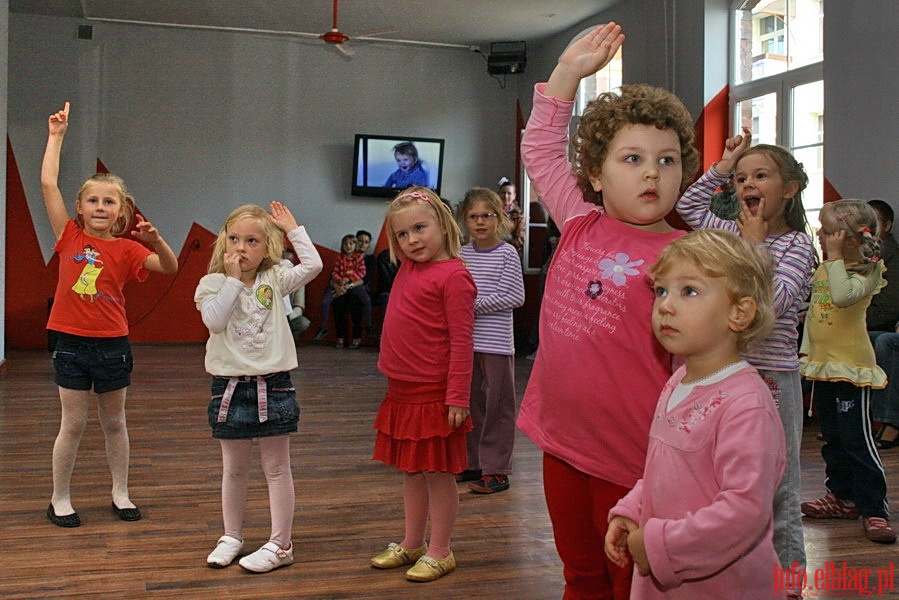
(619, 269)
(594, 289)
(257, 306)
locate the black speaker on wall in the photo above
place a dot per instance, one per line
(507, 57)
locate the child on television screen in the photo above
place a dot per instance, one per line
(410, 170)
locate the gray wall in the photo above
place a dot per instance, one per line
(861, 123)
(197, 122)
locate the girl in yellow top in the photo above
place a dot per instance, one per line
(837, 355)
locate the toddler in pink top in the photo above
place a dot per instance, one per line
(699, 522)
(599, 370)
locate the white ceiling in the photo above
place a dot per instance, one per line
(462, 22)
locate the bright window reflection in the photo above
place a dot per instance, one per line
(776, 36)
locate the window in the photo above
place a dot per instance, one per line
(536, 234)
(777, 86)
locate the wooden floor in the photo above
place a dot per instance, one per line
(348, 507)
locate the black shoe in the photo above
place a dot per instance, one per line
(126, 514)
(468, 475)
(72, 520)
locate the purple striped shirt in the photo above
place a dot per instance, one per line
(794, 262)
(497, 275)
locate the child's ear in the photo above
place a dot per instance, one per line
(596, 181)
(791, 189)
(742, 313)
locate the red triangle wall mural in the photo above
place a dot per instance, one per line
(160, 310)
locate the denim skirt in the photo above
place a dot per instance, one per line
(242, 417)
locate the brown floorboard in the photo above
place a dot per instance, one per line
(348, 507)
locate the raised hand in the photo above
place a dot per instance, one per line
(144, 230)
(733, 148)
(282, 217)
(58, 122)
(833, 243)
(584, 57)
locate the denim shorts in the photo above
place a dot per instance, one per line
(80, 363)
(242, 420)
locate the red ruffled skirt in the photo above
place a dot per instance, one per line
(413, 433)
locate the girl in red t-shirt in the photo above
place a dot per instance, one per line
(88, 317)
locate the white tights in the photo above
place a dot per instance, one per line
(274, 453)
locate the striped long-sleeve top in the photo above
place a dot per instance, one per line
(794, 262)
(497, 275)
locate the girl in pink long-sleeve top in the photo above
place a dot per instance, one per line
(699, 522)
(426, 354)
(599, 369)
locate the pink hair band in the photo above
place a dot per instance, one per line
(419, 195)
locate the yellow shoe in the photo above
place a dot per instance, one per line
(397, 556)
(430, 569)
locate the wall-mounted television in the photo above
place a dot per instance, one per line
(386, 164)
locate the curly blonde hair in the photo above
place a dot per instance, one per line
(274, 238)
(747, 268)
(636, 104)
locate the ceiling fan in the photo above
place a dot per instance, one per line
(339, 39)
(334, 36)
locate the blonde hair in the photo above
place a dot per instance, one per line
(126, 214)
(494, 204)
(274, 238)
(859, 220)
(452, 238)
(635, 104)
(746, 268)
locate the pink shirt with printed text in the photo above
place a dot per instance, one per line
(599, 368)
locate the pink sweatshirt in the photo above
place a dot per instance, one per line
(599, 368)
(706, 499)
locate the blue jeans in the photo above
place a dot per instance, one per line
(789, 541)
(885, 402)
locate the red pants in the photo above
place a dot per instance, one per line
(579, 507)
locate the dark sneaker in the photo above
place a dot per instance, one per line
(878, 529)
(829, 507)
(490, 484)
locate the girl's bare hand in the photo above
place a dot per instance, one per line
(232, 265)
(58, 122)
(457, 416)
(282, 217)
(144, 230)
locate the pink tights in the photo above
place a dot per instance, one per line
(274, 452)
(435, 495)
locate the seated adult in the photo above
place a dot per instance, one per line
(883, 318)
(885, 402)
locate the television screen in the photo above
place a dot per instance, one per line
(386, 164)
